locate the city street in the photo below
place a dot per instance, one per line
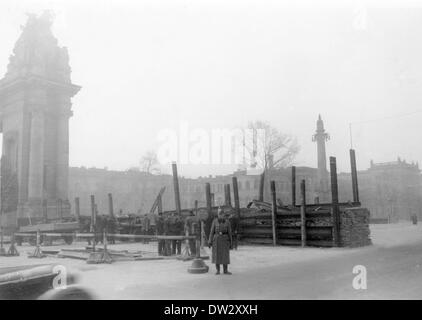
(394, 271)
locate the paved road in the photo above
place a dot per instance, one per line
(392, 273)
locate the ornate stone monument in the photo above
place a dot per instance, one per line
(320, 137)
(35, 107)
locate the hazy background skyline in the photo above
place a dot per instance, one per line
(145, 66)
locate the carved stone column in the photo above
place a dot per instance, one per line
(62, 172)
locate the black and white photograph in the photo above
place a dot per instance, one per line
(236, 151)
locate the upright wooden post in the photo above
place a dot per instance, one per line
(160, 204)
(334, 200)
(110, 205)
(261, 187)
(303, 213)
(93, 214)
(227, 195)
(236, 196)
(208, 201)
(44, 210)
(208, 197)
(293, 186)
(2, 250)
(274, 213)
(354, 174)
(176, 188)
(77, 209)
(60, 208)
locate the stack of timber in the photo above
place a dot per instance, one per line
(256, 225)
(354, 227)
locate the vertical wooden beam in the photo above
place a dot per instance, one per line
(334, 200)
(261, 187)
(44, 210)
(110, 205)
(93, 214)
(227, 195)
(274, 213)
(60, 208)
(208, 197)
(77, 209)
(160, 204)
(303, 213)
(176, 188)
(236, 196)
(208, 201)
(354, 174)
(293, 186)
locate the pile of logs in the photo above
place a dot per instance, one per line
(354, 227)
(256, 225)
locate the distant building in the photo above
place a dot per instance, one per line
(392, 189)
(389, 189)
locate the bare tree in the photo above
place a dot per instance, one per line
(149, 163)
(269, 148)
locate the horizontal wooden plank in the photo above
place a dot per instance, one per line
(313, 243)
(287, 242)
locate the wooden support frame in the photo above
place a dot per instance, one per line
(110, 205)
(293, 186)
(93, 214)
(335, 202)
(354, 175)
(261, 186)
(236, 196)
(176, 188)
(77, 209)
(227, 195)
(274, 212)
(303, 213)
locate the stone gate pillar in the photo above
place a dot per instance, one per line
(35, 107)
(62, 154)
(36, 157)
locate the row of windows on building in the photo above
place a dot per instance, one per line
(245, 185)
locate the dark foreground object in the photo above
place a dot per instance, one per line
(36, 282)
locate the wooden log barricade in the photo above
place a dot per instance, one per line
(303, 214)
(274, 213)
(112, 235)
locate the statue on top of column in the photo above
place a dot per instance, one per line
(36, 52)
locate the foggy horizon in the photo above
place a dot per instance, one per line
(146, 67)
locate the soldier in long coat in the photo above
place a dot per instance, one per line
(221, 241)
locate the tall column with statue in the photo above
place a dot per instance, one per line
(320, 137)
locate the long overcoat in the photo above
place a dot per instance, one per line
(221, 241)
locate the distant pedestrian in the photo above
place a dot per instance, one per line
(221, 241)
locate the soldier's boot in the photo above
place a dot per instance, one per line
(217, 266)
(225, 269)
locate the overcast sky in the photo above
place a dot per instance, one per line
(145, 66)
